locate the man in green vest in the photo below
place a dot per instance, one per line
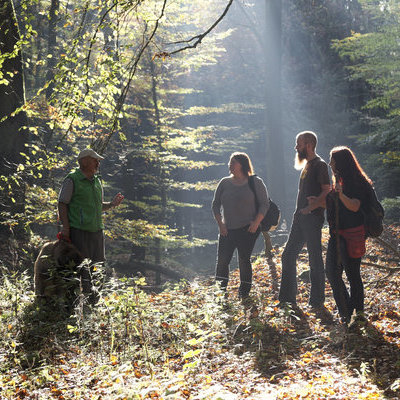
(80, 207)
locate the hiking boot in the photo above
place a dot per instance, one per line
(358, 320)
(323, 314)
(291, 310)
(285, 305)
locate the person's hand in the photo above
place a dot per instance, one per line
(338, 187)
(65, 234)
(117, 200)
(253, 227)
(311, 200)
(223, 231)
(305, 210)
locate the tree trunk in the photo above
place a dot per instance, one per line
(51, 44)
(13, 134)
(274, 139)
(163, 192)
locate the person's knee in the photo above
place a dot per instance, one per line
(245, 265)
(223, 260)
(288, 258)
(329, 274)
(333, 274)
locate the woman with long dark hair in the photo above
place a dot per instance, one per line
(238, 211)
(345, 203)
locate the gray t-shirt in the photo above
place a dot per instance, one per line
(66, 191)
(236, 203)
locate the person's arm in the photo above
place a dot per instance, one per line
(351, 204)
(63, 215)
(316, 202)
(64, 197)
(115, 202)
(221, 225)
(263, 204)
(255, 223)
(216, 209)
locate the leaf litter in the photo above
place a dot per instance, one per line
(193, 342)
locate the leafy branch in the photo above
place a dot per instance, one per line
(131, 74)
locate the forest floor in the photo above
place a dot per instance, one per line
(192, 342)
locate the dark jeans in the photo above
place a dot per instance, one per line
(244, 242)
(346, 303)
(306, 229)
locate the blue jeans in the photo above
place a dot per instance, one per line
(346, 302)
(244, 242)
(306, 229)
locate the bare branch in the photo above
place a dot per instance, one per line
(388, 246)
(382, 267)
(198, 38)
(131, 74)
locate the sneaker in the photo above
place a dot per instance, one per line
(243, 295)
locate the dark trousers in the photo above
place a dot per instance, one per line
(244, 242)
(346, 302)
(306, 229)
(91, 245)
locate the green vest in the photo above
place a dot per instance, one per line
(85, 207)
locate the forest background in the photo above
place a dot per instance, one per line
(167, 90)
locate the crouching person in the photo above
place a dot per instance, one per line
(80, 208)
(56, 274)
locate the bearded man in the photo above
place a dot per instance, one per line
(307, 223)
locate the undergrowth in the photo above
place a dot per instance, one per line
(127, 327)
(192, 341)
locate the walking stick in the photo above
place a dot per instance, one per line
(338, 257)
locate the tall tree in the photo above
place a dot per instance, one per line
(13, 135)
(274, 132)
(372, 57)
(51, 45)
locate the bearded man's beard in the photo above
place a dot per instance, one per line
(300, 160)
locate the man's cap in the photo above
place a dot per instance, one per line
(90, 153)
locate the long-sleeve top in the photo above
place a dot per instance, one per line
(237, 204)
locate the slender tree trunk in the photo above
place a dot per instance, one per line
(13, 136)
(274, 138)
(163, 191)
(51, 45)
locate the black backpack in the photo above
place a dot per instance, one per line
(373, 215)
(273, 214)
